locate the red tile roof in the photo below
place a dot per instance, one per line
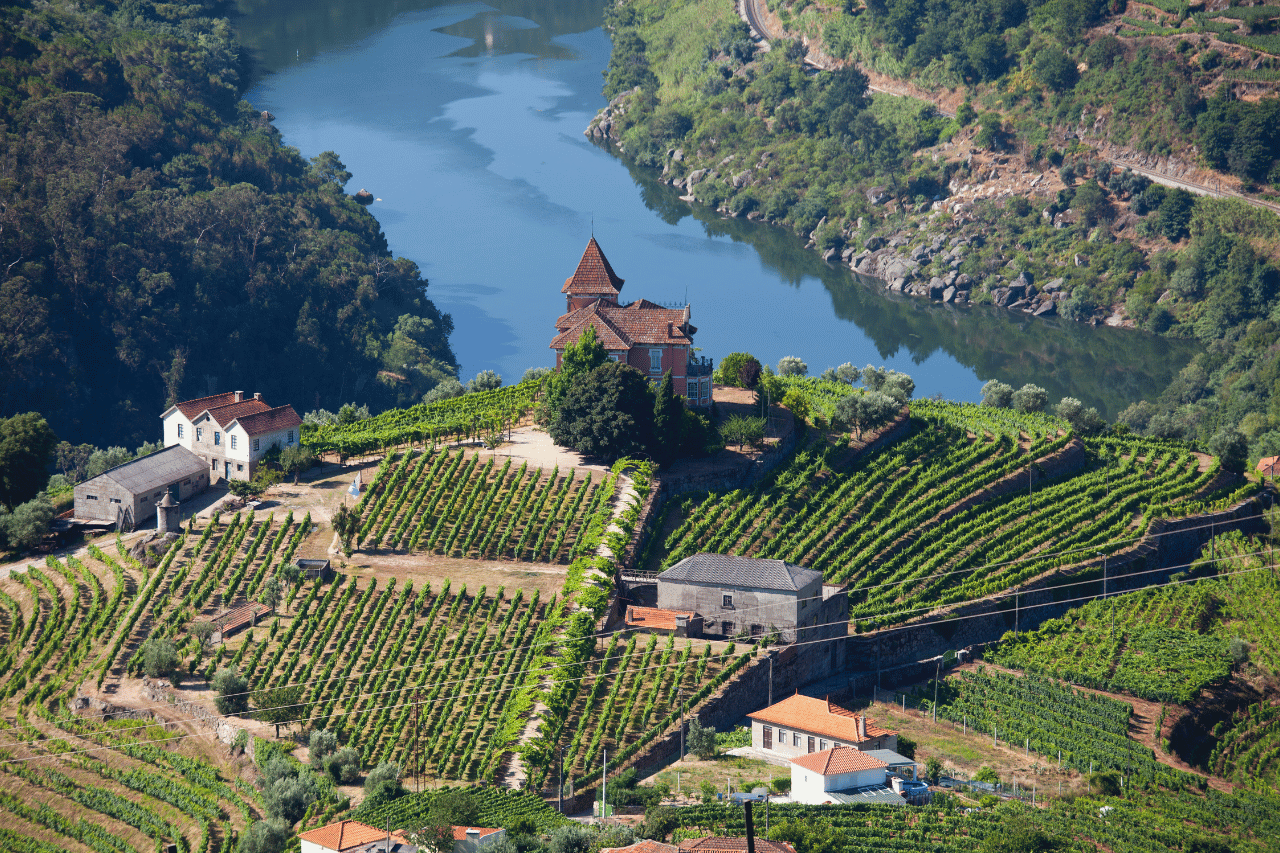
(734, 845)
(460, 832)
(820, 717)
(593, 276)
(347, 835)
(641, 323)
(841, 759)
(654, 617)
(270, 420)
(228, 413)
(644, 845)
(191, 408)
(1269, 466)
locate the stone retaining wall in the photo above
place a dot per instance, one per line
(226, 731)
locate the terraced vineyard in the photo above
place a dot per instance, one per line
(473, 505)
(1248, 753)
(1141, 822)
(1080, 730)
(470, 415)
(1164, 644)
(496, 806)
(80, 782)
(912, 526)
(631, 693)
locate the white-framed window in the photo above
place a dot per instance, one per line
(217, 437)
(782, 737)
(655, 361)
(613, 356)
(179, 430)
(255, 445)
(822, 746)
(795, 739)
(199, 433)
(233, 442)
(290, 441)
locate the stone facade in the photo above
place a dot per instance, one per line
(231, 432)
(127, 495)
(743, 595)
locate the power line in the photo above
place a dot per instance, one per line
(586, 677)
(1093, 549)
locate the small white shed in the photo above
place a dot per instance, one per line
(840, 768)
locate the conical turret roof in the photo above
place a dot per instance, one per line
(594, 276)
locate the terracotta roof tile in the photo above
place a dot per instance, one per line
(270, 420)
(840, 759)
(654, 617)
(734, 845)
(1269, 466)
(635, 324)
(593, 276)
(820, 717)
(191, 408)
(347, 835)
(228, 413)
(644, 845)
(460, 832)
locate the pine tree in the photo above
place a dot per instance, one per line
(667, 416)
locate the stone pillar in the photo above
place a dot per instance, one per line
(168, 518)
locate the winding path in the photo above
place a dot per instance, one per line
(750, 12)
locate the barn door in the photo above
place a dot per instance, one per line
(768, 737)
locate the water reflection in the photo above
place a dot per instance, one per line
(1105, 367)
(466, 120)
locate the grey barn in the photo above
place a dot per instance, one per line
(127, 494)
(745, 595)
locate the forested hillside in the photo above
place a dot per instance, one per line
(159, 242)
(1004, 178)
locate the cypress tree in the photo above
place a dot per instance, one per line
(667, 416)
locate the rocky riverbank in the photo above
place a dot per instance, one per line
(923, 257)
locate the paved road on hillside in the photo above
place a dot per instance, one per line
(751, 13)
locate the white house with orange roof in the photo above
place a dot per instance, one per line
(799, 725)
(352, 836)
(230, 432)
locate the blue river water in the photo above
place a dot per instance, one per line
(465, 121)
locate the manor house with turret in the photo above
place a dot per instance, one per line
(650, 337)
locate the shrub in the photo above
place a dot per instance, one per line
(790, 365)
(232, 690)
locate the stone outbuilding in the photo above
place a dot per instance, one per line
(744, 595)
(127, 495)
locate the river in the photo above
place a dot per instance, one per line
(465, 121)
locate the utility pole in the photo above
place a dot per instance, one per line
(560, 793)
(935, 689)
(770, 679)
(680, 695)
(604, 785)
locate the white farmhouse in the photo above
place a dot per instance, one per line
(231, 433)
(351, 836)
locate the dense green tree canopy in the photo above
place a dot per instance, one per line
(607, 412)
(26, 449)
(161, 243)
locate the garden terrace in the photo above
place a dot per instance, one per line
(475, 505)
(940, 516)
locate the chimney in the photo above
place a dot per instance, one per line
(687, 312)
(862, 727)
(239, 396)
(257, 395)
